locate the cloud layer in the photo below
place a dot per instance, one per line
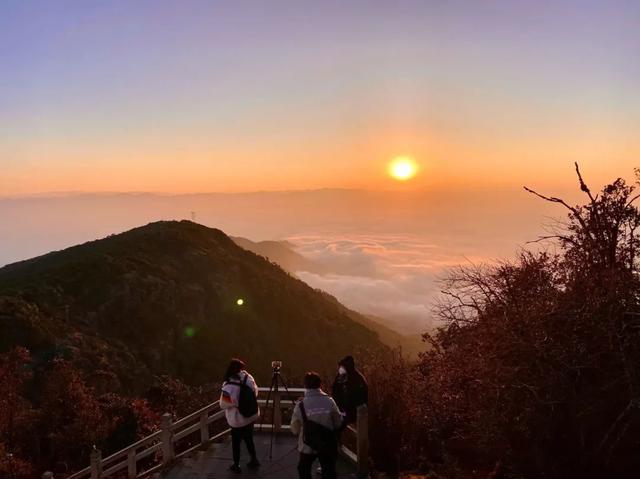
(391, 276)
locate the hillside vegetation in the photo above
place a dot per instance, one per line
(162, 299)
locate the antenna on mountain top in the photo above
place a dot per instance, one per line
(193, 216)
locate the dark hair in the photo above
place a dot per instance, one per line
(235, 366)
(312, 380)
(348, 362)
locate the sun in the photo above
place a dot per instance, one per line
(403, 168)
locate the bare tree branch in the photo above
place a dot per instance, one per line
(573, 210)
(583, 185)
(566, 239)
(632, 200)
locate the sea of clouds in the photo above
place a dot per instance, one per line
(396, 277)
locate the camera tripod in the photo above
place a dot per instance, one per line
(276, 380)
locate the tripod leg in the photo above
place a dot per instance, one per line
(266, 404)
(273, 416)
(293, 401)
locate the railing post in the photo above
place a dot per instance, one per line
(96, 463)
(277, 412)
(166, 437)
(132, 464)
(362, 425)
(204, 428)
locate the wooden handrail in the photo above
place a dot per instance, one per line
(163, 441)
(283, 391)
(362, 441)
(191, 416)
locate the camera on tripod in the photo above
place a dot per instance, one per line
(276, 366)
(273, 400)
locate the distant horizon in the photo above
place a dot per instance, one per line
(563, 186)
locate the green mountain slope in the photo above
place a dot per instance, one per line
(163, 299)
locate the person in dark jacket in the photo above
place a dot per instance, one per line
(350, 389)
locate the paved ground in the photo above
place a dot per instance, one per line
(213, 463)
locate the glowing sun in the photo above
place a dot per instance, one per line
(403, 168)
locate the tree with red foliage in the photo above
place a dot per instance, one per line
(169, 394)
(71, 418)
(16, 414)
(131, 420)
(535, 372)
(538, 364)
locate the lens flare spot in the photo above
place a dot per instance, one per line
(189, 331)
(403, 168)
(240, 301)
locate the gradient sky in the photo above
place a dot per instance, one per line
(183, 96)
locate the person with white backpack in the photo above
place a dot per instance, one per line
(240, 403)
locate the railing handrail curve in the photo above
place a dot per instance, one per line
(171, 432)
(193, 415)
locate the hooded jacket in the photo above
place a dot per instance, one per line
(350, 390)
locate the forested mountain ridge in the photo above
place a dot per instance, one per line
(163, 299)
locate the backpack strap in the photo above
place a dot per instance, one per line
(303, 412)
(244, 382)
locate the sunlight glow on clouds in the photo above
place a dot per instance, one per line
(391, 276)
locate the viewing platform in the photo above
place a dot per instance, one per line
(198, 446)
(213, 463)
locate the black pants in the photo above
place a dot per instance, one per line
(239, 434)
(327, 462)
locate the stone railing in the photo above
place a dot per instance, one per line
(176, 439)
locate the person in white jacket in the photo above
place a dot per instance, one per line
(319, 408)
(241, 426)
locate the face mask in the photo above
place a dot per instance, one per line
(342, 370)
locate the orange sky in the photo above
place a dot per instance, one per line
(444, 163)
(228, 96)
